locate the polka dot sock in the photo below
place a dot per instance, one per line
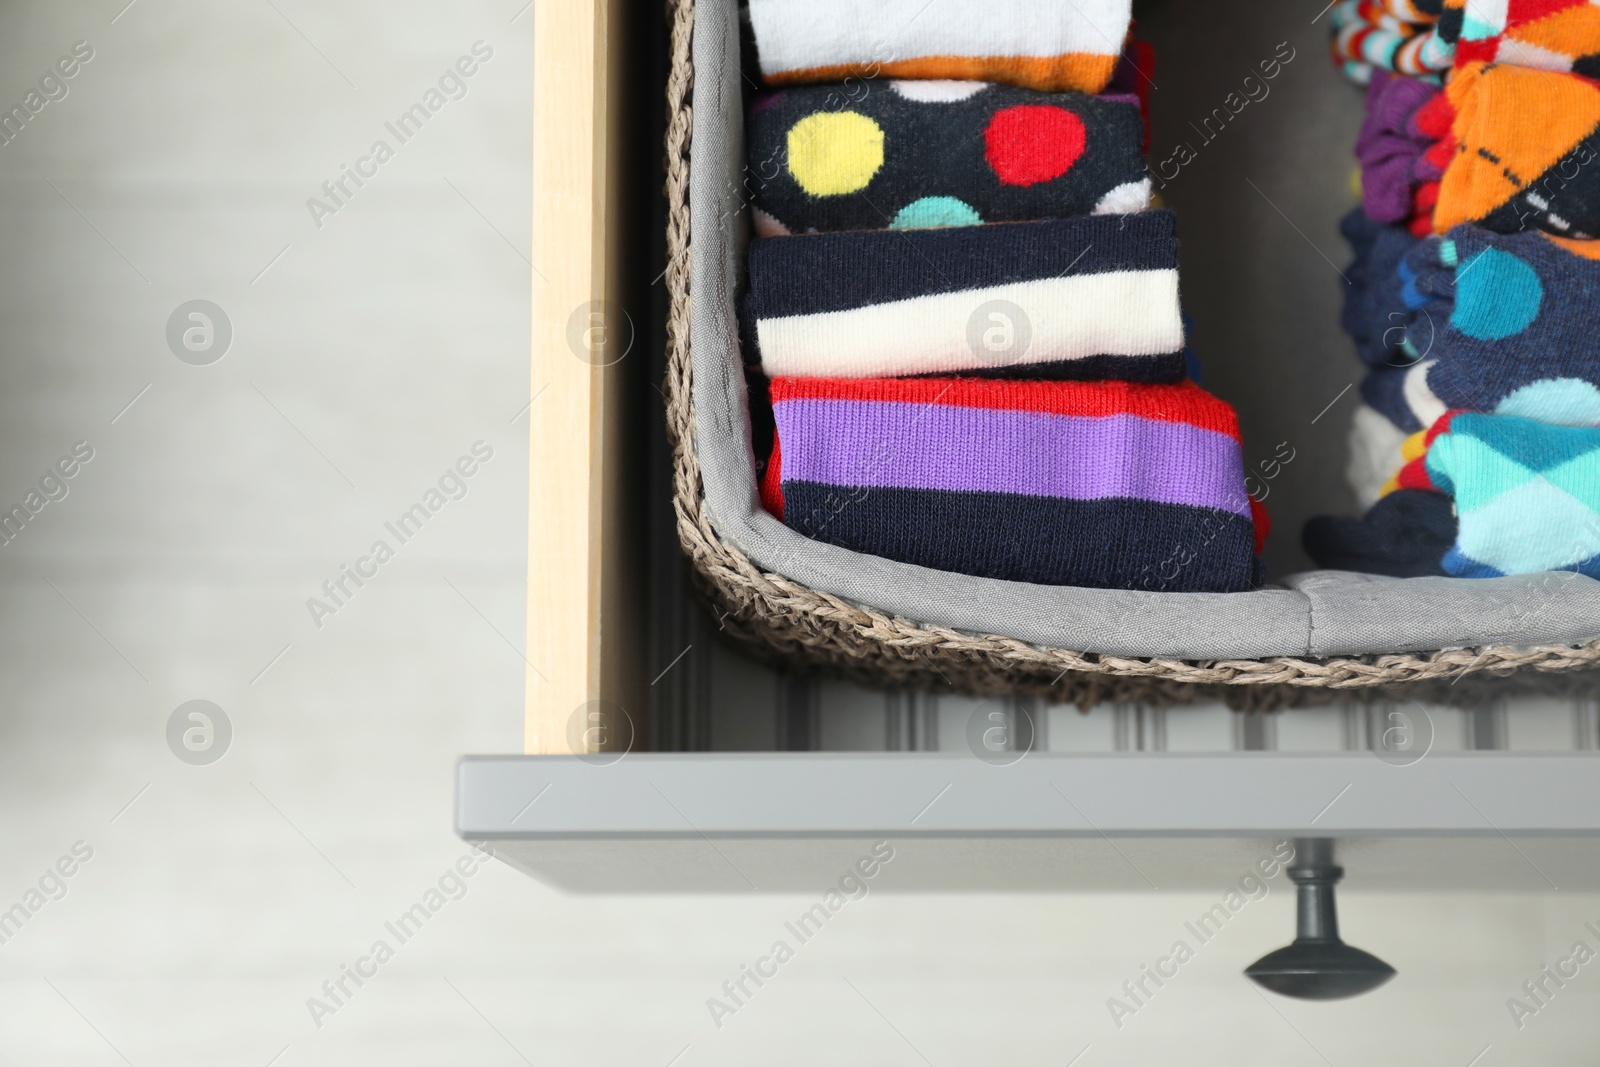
(1502, 323)
(920, 154)
(1051, 45)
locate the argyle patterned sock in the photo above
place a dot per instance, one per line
(1527, 152)
(1102, 484)
(1527, 495)
(917, 154)
(1432, 121)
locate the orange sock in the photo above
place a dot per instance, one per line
(1527, 152)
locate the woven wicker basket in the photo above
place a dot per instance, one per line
(782, 621)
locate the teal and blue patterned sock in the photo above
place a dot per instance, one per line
(1527, 495)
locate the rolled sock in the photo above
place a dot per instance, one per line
(1383, 391)
(1431, 122)
(1052, 45)
(1404, 535)
(1375, 454)
(1441, 147)
(1427, 196)
(1083, 298)
(1389, 147)
(1512, 328)
(1105, 484)
(912, 155)
(1561, 35)
(1376, 313)
(1527, 495)
(1526, 146)
(1369, 38)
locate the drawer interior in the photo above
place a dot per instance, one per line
(1258, 198)
(719, 765)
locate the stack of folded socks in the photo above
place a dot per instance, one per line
(964, 310)
(1476, 450)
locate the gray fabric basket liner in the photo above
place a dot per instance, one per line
(1319, 613)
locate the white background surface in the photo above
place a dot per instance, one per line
(365, 359)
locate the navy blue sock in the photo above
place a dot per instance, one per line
(1403, 535)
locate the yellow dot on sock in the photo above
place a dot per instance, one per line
(1355, 183)
(833, 153)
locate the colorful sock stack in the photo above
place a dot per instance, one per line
(1527, 495)
(1398, 36)
(915, 154)
(1510, 328)
(1052, 45)
(1085, 297)
(1105, 484)
(1526, 146)
(1404, 535)
(1390, 145)
(1476, 450)
(967, 317)
(1561, 35)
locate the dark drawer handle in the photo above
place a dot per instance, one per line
(1318, 966)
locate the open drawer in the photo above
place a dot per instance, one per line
(659, 759)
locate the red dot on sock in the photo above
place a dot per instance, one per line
(1033, 143)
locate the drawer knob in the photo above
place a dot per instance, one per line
(1318, 966)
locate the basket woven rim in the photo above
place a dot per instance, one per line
(807, 623)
